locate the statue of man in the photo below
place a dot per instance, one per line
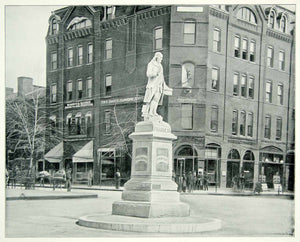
(156, 87)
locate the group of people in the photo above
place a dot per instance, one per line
(238, 182)
(193, 181)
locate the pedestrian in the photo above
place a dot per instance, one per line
(242, 181)
(235, 183)
(199, 181)
(184, 182)
(68, 179)
(90, 178)
(205, 182)
(117, 179)
(190, 182)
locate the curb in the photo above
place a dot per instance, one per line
(291, 196)
(24, 197)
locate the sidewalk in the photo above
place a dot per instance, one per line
(44, 194)
(76, 192)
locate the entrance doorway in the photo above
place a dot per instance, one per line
(190, 161)
(233, 167)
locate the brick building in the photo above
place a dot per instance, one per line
(231, 68)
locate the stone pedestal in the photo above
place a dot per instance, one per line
(151, 192)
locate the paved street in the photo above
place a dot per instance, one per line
(241, 216)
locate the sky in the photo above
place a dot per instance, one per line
(25, 49)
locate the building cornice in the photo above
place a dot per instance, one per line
(52, 40)
(277, 35)
(78, 33)
(153, 13)
(251, 28)
(218, 13)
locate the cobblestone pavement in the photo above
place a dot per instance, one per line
(241, 216)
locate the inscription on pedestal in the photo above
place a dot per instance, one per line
(162, 159)
(141, 159)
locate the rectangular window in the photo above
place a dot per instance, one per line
(278, 128)
(107, 120)
(215, 79)
(70, 57)
(217, 40)
(187, 116)
(245, 49)
(70, 89)
(234, 122)
(236, 84)
(252, 51)
(80, 55)
(53, 93)
(281, 60)
(251, 87)
(158, 38)
(270, 57)
(250, 124)
(89, 87)
(243, 123)
(269, 92)
(53, 61)
(90, 53)
(214, 119)
(268, 127)
(189, 33)
(79, 89)
(237, 46)
(108, 49)
(244, 86)
(108, 83)
(280, 94)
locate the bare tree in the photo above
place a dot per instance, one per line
(26, 125)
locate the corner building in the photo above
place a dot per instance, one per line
(232, 73)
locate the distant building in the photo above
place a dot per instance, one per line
(231, 68)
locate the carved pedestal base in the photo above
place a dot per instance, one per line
(151, 192)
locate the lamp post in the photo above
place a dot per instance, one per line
(181, 160)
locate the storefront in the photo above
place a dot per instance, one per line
(248, 169)
(233, 167)
(271, 166)
(212, 163)
(83, 163)
(189, 158)
(54, 157)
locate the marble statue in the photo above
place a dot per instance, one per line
(156, 88)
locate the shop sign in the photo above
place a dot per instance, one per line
(121, 100)
(79, 104)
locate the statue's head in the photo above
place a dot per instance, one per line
(158, 56)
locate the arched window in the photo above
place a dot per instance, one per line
(283, 24)
(88, 122)
(52, 124)
(247, 15)
(79, 23)
(69, 122)
(187, 75)
(54, 27)
(249, 156)
(233, 155)
(272, 19)
(78, 123)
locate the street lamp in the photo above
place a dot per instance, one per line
(181, 161)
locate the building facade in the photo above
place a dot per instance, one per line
(232, 73)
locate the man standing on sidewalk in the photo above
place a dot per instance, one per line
(68, 179)
(117, 178)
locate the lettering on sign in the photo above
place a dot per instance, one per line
(162, 159)
(122, 100)
(79, 104)
(141, 159)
